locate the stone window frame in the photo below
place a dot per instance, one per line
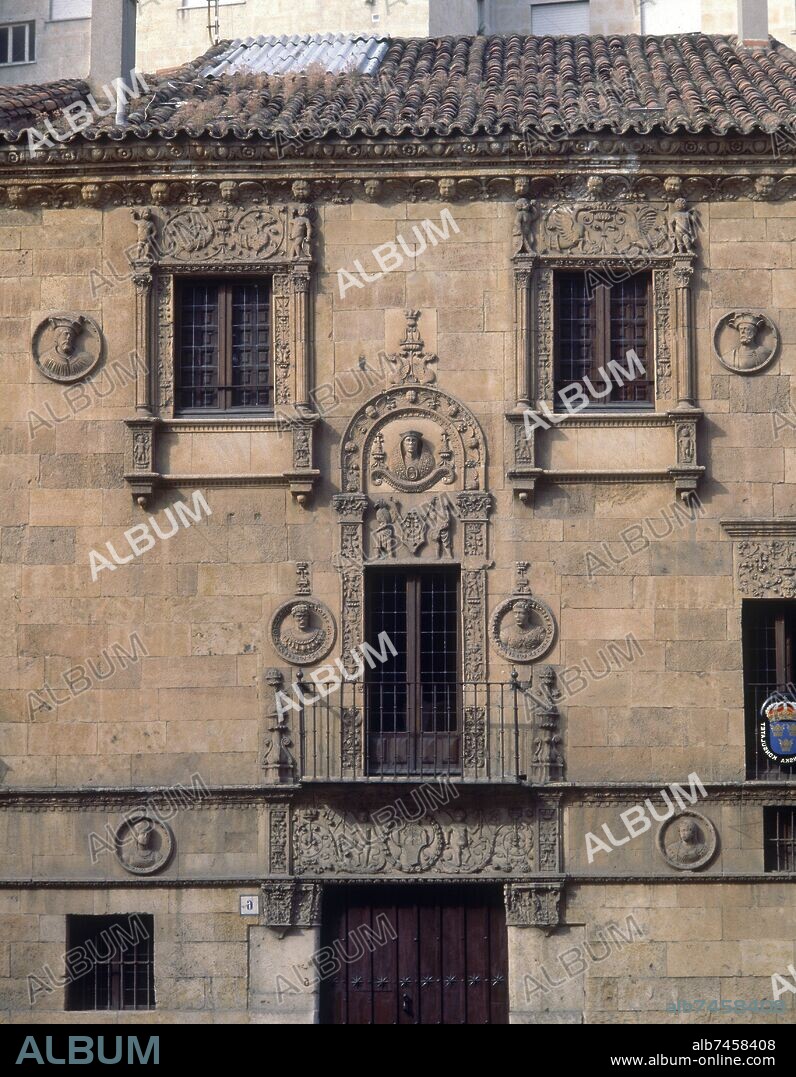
(222, 241)
(615, 241)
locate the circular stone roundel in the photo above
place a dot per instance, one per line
(67, 347)
(303, 631)
(687, 841)
(522, 628)
(745, 341)
(144, 845)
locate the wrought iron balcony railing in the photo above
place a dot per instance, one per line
(458, 730)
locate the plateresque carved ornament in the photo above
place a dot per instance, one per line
(767, 569)
(745, 341)
(67, 347)
(687, 841)
(331, 842)
(144, 845)
(303, 632)
(522, 628)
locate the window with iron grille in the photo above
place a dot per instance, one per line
(779, 839)
(595, 325)
(413, 698)
(224, 345)
(110, 962)
(17, 43)
(769, 664)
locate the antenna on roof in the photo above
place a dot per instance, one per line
(213, 25)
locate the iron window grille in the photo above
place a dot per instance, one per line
(779, 839)
(224, 341)
(110, 962)
(598, 324)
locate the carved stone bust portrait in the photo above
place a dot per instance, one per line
(303, 632)
(687, 841)
(522, 628)
(67, 347)
(143, 845)
(745, 341)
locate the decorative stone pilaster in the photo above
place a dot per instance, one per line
(534, 905)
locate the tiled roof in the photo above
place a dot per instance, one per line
(346, 86)
(23, 106)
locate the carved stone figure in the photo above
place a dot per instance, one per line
(413, 464)
(685, 444)
(146, 235)
(303, 632)
(682, 225)
(687, 841)
(67, 347)
(753, 345)
(141, 444)
(548, 762)
(143, 845)
(384, 533)
(522, 628)
(523, 227)
(441, 532)
(301, 233)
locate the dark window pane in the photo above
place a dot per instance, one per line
(251, 333)
(5, 36)
(576, 329)
(629, 313)
(19, 39)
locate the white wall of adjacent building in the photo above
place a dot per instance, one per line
(171, 32)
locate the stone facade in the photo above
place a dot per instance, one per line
(596, 520)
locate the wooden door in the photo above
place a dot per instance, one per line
(415, 955)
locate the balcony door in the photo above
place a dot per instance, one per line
(412, 699)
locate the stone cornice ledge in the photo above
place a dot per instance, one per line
(749, 528)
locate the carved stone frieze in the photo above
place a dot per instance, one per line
(336, 841)
(224, 233)
(600, 229)
(534, 905)
(767, 569)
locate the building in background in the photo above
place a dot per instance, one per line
(330, 322)
(44, 40)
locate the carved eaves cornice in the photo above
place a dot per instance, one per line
(145, 176)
